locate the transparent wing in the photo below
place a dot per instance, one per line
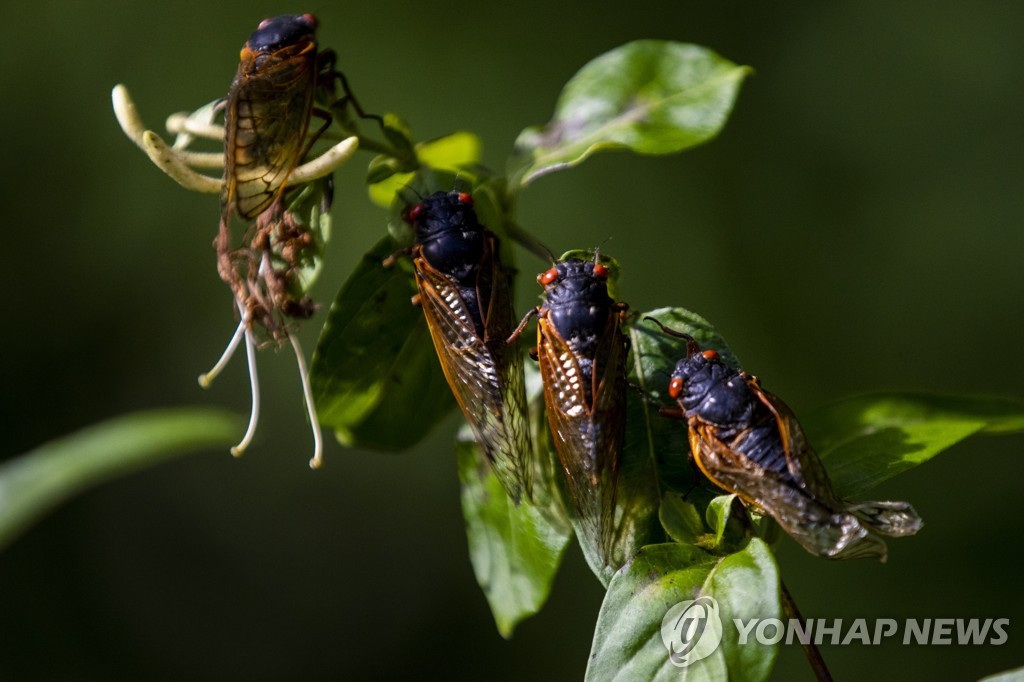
(485, 374)
(893, 518)
(801, 459)
(588, 438)
(266, 119)
(819, 527)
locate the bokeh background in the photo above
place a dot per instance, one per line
(858, 225)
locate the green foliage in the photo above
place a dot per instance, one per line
(648, 96)
(377, 383)
(375, 362)
(628, 642)
(868, 439)
(515, 549)
(37, 481)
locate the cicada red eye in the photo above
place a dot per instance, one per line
(710, 354)
(675, 387)
(465, 198)
(413, 214)
(546, 278)
(311, 19)
(600, 271)
(263, 24)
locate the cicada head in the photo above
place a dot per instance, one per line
(449, 232)
(287, 30)
(577, 303)
(694, 374)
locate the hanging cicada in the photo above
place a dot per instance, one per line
(283, 82)
(582, 351)
(747, 441)
(465, 294)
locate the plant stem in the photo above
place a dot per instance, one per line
(535, 246)
(811, 650)
(369, 145)
(790, 609)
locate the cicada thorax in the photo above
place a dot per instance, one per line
(581, 350)
(465, 294)
(747, 441)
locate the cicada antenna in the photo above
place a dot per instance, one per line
(692, 347)
(409, 187)
(597, 249)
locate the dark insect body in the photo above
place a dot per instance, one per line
(747, 441)
(465, 296)
(582, 350)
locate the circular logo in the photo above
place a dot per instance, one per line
(691, 630)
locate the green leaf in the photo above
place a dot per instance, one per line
(629, 643)
(1016, 675)
(375, 377)
(718, 514)
(680, 519)
(34, 483)
(515, 550)
(381, 168)
(456, 153)
(868, 439)
(648, 96)
(397, 133)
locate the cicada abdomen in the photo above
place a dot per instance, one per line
(582, 351)
(747, 441)
(465, 294)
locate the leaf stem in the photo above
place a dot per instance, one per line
(789, 607)
(532, 244)
(811, 650)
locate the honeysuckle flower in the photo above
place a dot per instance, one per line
(272, 288)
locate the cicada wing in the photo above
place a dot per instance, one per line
(494, 292)
(266, 119)
(893, 518)
(802, 461)
(485, 376)
(588, 438)
(823, 529)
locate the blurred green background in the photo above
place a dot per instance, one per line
(858, 225)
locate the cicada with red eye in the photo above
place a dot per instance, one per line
(283, 80)
(747, 441)
(269, 108)
(582, 351)
(465, 294)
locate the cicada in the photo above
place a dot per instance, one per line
(747, 441)
(269, 108)
(464, 293)
(283, 81)
(582, 351)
